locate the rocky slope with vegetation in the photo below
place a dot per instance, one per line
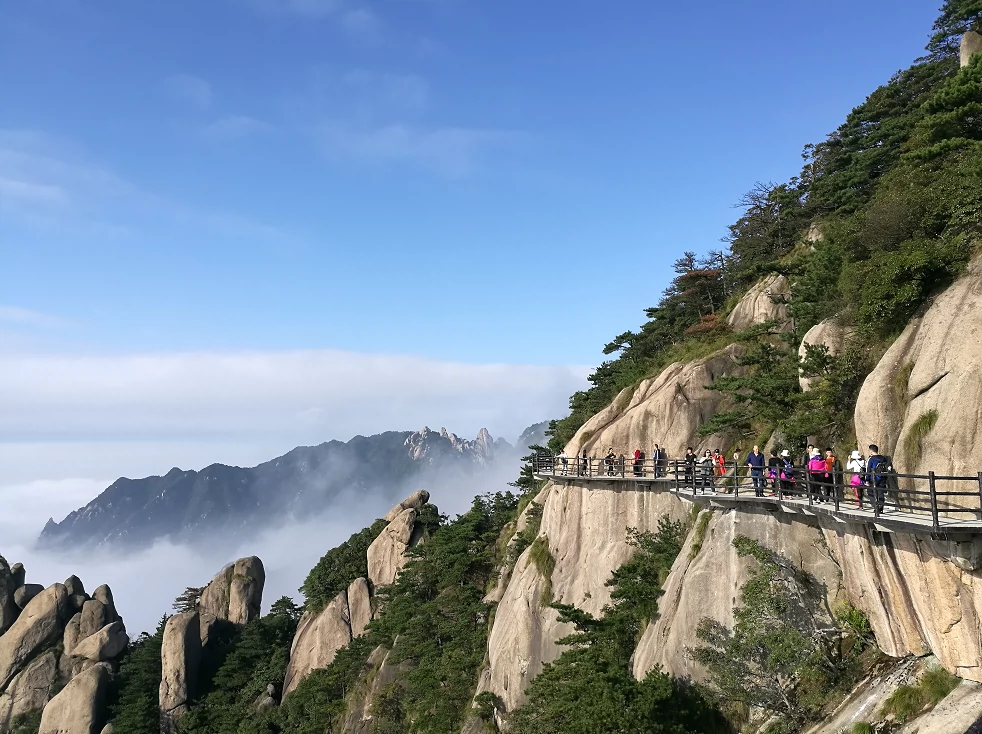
(845, 310)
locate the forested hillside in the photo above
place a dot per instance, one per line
(885, 212)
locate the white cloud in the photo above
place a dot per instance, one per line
(17, 316)
(301, 396)
(449, 151)
(236, 127)
(189, 89)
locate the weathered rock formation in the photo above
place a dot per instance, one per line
(78, 708)
(587, 536)
(379, 672)
(320, 635)
(667, 409)
(922, 404)
(33, 666)
(30, 689)
(830, 334)
(706, 582)
(180, 656)
(387, 553)
(765, 301)
(970, 45)
(236, 592)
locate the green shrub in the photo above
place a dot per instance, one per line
(914, 440)
(861, 727)
(937, 683)
(904, 703)
(542, 558)
(699, 532)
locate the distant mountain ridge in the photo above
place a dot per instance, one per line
(194, 506)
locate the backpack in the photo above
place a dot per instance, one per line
(641, 456)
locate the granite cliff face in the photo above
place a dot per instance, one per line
(921, 595)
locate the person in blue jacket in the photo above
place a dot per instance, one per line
(755, 460)
(876, 478)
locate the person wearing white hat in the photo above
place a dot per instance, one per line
(787, 473)
(857, 465)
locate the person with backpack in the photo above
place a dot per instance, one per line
(755, 461)
(584, 464)
(719, 463)
(878, 469)
(773, 471)
(564, 462)
(638, 463)
(857, 466)
(609, 460)
(656, 461)
(787, 473)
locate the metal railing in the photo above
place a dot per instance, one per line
(941, 498)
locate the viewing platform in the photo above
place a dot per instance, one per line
(945, 508)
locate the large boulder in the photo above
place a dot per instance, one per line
(105, 595)
(413, 502)
(359, 606)
(24, 594)
(922, 403)
(236, 592)
(93, 617)
(971, 44)
(319, 637)
(78, 708)
(8, 585)
(75, 587)
(587, 536)
(72, 633)
(767, 300)
(30, 689)
(387, 553)
(830, 334)
(39, 625)
(667, 409)
(706, 582)
(180, 656)
(103, 645)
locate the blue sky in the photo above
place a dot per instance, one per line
(443, 178)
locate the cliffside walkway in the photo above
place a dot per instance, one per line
(942, 507)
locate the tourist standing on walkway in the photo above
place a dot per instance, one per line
(584, 464)
(876, 480)
(656, 461)
(736, 464)
(719, 463)
(755, 460)
(831, 466)
(638, 463)
(706, 468)
(690, 467)
(564, 462)
(857, 465)
(773, 470)
(609, 458)
(787, 473)
(816, 474)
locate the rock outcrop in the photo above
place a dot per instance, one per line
(40, 625)
(970, 45)
(830, 334)
(180, 656)
(33, 666)
(765, 301)
(78, 707)
(667, 409)
(922, 403)
(379, 672)
(103, 645)
(706, 582)
(387, 553)
(235, 594)
(587, 536)
(30, 689)
(320, 635)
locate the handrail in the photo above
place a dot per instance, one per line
(907, 494)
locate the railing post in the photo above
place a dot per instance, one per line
(934, 499)
(808, 485)
(623, 462)
(835, 489)
(736, 480)
(980, 495)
